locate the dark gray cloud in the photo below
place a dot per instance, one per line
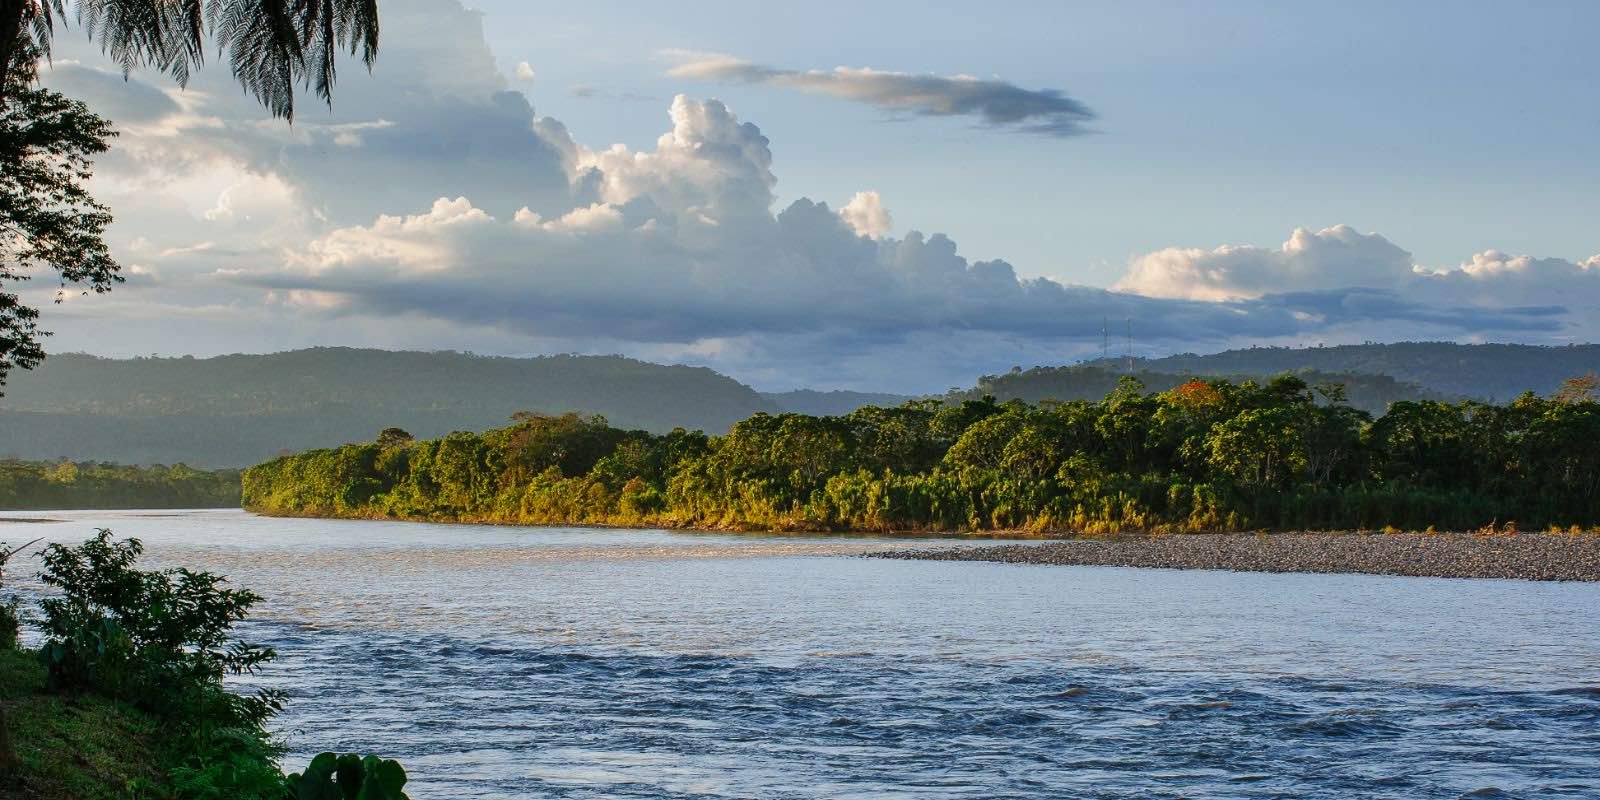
(994, 102)
(115, 96)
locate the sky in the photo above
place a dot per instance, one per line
(878, 196)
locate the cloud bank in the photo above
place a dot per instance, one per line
(995, 103)
(1338, 260)
(433, 208)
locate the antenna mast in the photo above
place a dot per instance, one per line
(1129, 323)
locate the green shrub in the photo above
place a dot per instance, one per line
(237, 763)
(161, 641)
(160, 638)
(10, 625)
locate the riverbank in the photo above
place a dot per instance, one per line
(56, 486)
(1522, 556)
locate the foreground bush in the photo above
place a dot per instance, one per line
(148, 651)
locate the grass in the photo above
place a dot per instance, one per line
(79, 748)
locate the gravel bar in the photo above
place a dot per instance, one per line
(1522, 556)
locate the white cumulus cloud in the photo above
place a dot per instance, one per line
(866, 215)
(434, 208)
(1333, 257)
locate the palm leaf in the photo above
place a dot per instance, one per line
(274, 47)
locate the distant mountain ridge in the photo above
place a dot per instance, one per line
(1372, 393)
(1480, 371)
(237, 410)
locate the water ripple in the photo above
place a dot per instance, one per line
(510, 663)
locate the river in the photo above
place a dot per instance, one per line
(505, 662)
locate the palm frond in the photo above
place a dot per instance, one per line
(273, 46)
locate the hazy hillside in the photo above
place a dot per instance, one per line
(831, 404)
(237, 410)
(1483, 371)
(1092, 382)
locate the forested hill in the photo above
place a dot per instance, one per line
(1480, 371)
(241, 409)
(1371, 393)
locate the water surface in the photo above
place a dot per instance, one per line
(503, 662)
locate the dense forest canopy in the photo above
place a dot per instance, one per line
(68, 485)
(1494, 372)
(1204, 455)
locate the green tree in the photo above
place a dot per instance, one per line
(394, 437)
(1579, 389)
(901, 439)
(1204, 455)
(48, 219)
(47, 142)
(1262, 447)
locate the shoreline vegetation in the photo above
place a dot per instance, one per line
(124, 697)
(1483, 554)
(52, 486)
(1206, 456)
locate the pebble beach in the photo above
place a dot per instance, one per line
(1522, 556)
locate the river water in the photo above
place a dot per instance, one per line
(502, 662)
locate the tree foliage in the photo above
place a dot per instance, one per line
(48, 219)
(160, 643)
(163, 642)
(1203, 455)
(67, 484)
(48, 142)
(1371, 392)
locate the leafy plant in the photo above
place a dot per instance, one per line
(237, 763)
(159, 638)
(348, 777)
(162, 641)
(10, 624)
(48, 143)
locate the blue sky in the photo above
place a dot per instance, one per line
(1444, 125)
(874, 196)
